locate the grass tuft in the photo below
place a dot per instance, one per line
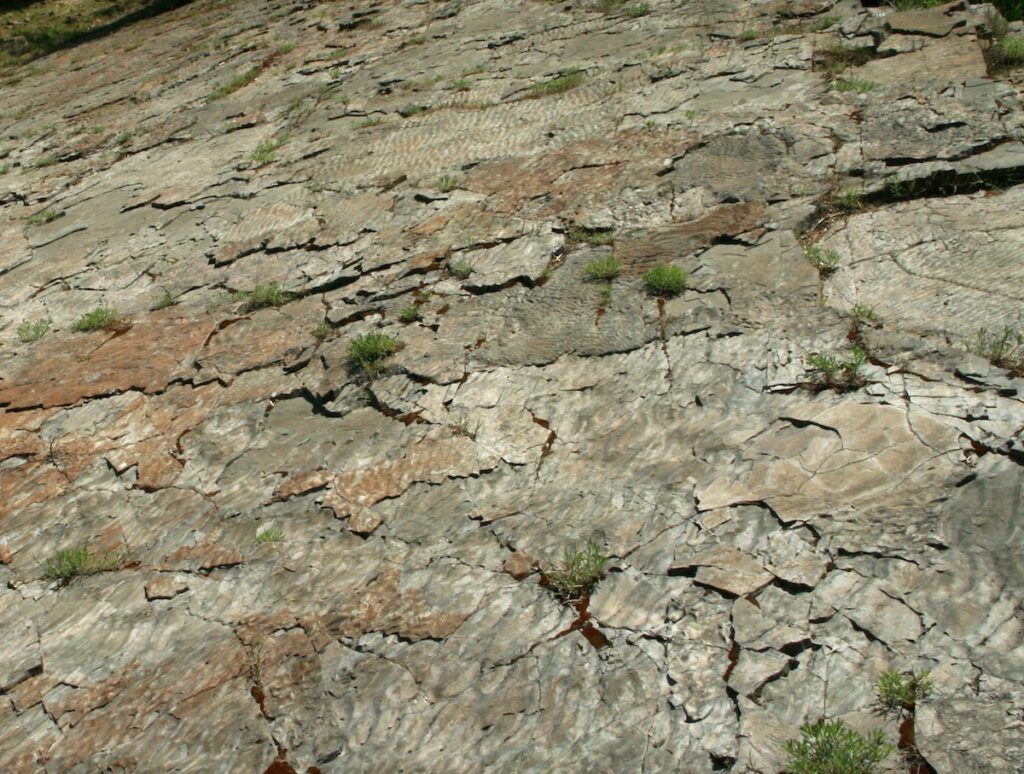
(262, 296)
(70, 563)
(839, 374)
(1004, 349)
(579, 571)
(269, 536)
(606, 268)
(563, 83)
(460, 269)
(899, 692)
(102, 318)
(39, 218)
(369, 352)
(665, 280)
(32, 331)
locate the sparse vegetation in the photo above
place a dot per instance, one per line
(102, 318)
(410, 313)
(261, 296)
(825, 261)
(595, 237)
(899, 691)
(366, 123)
(579, 571)
(863, 314)
(606, 268)
(460, 269)
(31, 30)
(269, 536)
(839, 374)
(856, 85)
(322, 330)
(411, 109)
(637, 10)
(39, 218)
(563, 83)
(369, 352)
(266, 151)
(446, 183)
(235, 83)
(851, 200)
(1007, 51)
(1003, 349)
(462, 84)
(32, 331)
(45, 161)
(665, 280)
(164, 300)
(829, 747)
(69, 563)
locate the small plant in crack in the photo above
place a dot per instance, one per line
(164, 300)
(839, 374)
(578, 572)
(406, 111)
(863, 315)
(1003, 349)
(446, 183)
(410, 314)
(901, 691)
(825, 261)
(269, 536)
(69, 563)
(603, 269)
(369, 352)
(563, 83)
(266, 151)
(460, 269)
(850, 200)
(595, 237)
(829, 747)
(666, 280)
(261, 296)
(322, 330)
(257, 660)
(32, 331)
(102, 318)
(46, 216)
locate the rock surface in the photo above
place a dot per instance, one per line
(331, 572)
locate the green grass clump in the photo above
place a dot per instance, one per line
(825, 261)
(70, 563)
(638, 10)
(1008, 51)
(45, 161)
(855, 85)
(446, 183)
(665, 280)
(839, 374)
(39, 218)
(164, 300)
(606, 268)
(1004, 349)
(366, 123)
(579, 571)
(411, 109)
(862, 313)
(829, 747)
(369, 352)
(235, 83)
(266, 151)
(322, 330)
(29, 332)
(460, 269)
(595, 237)
(269, 536)
(462, 84)
(102, 318)
(563, 83)
(901, 692)
(32, 331)
(410, 313)
(262, 296)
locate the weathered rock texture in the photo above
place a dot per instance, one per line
(774, 548)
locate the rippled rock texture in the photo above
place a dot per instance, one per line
(323, 570)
